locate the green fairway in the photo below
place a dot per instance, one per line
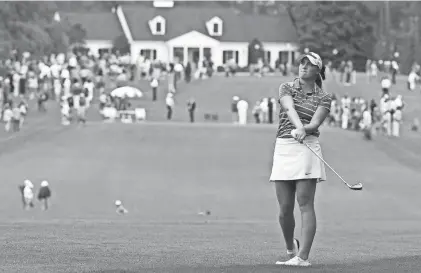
(166, 173)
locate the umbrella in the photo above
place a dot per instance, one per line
(127, 91)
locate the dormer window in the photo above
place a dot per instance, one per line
(214, 26)
(157, 25)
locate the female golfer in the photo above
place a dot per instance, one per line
(296, 170)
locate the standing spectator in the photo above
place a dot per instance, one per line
(154, 86)
(270, 110)
(171, 79)
(234, 109)
(386, 84)
(395, 71)
(413, 78)
(8, 116)
(396, 123)
(256, 112)
(16, 118)
(44, 194)
(191, 107)
(170, 105)
(187, 73)
(23, 107)
(242, 112)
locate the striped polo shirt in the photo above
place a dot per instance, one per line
(305, 105)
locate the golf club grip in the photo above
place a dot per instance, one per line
(314, 152)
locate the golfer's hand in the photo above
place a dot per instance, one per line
(299, 134)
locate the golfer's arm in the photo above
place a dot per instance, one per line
(317, 120)
(287, 104)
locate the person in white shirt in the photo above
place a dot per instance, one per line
(72, 62)
(89, 86)
(67, 85)
(346, 102)
(413, 78)
(55, 70)
(65, 74)
(399, 101)
(16, 84)
(264, 110)
(242, 107)
(57, 88)
(373, 71)
(65, 111)
(385, 108)
(384, 104)
(178, 68)
(32, 85)
(386, 83)
(23, 107)
(154, 86)
(8, 117)
(366, 123)
(396, 123)
(345, 117)
(45, 71)
(169, 101)
(28, 194)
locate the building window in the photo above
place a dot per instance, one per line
(267, 57)
(157, 25)
(283, 57)
(228, 55)
(148, 54)
(102, 51)
(178, 54)
(215, 28)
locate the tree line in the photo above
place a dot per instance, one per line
(356, 30)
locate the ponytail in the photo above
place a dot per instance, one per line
(321, 77)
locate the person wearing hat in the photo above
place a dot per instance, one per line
(120, 209)
(296, 170)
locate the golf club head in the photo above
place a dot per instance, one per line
(356, 187)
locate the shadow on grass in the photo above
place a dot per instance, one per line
(396, 264)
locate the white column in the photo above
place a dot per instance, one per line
(290, 60)
(201, 57)
(185, 57)
(170, 54)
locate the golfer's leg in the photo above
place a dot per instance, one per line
(306, 190)
(285, 193)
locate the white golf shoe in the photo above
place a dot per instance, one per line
(296, 261)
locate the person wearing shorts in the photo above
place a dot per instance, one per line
(296, 170)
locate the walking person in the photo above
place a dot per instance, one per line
(296, 170)
(169, 101)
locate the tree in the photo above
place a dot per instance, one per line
(58, 33)
(29, 26)
(31, 38)
(121, 44)
(77, 34)
(325, 26)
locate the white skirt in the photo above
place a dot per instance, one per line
(294, 161)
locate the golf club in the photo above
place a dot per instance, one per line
(355, 187)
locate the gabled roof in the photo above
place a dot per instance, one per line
(98, 25)
(183, 19)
